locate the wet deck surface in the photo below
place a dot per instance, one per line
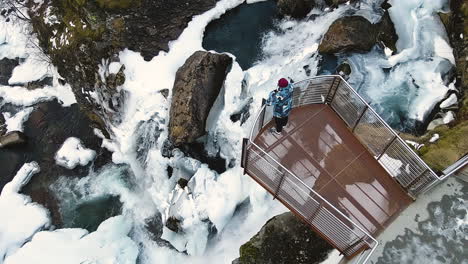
(319, 148)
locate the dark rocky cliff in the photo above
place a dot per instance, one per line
(80, 35)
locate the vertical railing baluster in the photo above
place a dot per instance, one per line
(359, 118)
(262, 118)
(279, 185)
(387, 146)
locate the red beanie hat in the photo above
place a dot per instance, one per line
(283, 82)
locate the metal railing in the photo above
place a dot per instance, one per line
(337, 228)
(389, 149)
(395, 156)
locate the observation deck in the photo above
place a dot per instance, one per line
(337, 165)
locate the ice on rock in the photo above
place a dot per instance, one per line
(108, 244)
(114, 67)
(451, 100)
(448, 117)
(15, 122)
(21, 218)
(442, 49)
(72, 153)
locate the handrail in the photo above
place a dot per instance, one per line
(456, 166)
(386, 125)
(316, 194)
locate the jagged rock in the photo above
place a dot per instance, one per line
(456, 25)
(96, 31)
(344, 70)
(386, 32)
(155, 226)
(165, 93)
(13, 139)
(295, 8)
(182, 182)
(173, 224)
(2, 125)
(284, 239)
(335, 3)
(197, 84)
(357, 34)
(6, 69)
(40, 83)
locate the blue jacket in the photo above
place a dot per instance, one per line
(281, 99)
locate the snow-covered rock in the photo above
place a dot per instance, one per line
(73, 153)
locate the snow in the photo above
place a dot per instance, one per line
(443, 49)
(448, 117)
(114, 67)
(32, 69)
(15, 122)
(22, 96)
(434, 138)
(72, 153)
(21, 218)
(451, 100)
(108, 244)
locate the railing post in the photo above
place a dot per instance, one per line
(279, 186)
(359, 118)
(329, 90)
(245, 141)
(262, 118)
(386, 147)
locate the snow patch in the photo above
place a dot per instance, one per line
(443, 49)
(451, 100)
(108, 244)
(15, 123)
(73, 153)
(448, 117)
(434, 138)
(22, 96)
(21, 218)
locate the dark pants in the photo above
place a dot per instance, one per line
(280, 123)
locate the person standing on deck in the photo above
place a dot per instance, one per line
(281, 99)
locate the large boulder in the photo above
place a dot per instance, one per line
(295, 8)
(197, 84)
(357, 34)
(284, 239)
(92, 34)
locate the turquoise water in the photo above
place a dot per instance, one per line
(240, 31)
